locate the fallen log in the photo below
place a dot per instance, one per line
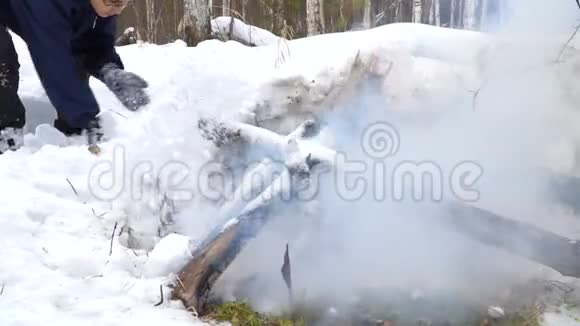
(518, 238)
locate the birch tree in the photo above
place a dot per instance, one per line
(314, 17)
(417, 11)
(196, 21)
(452, 20)
(150, 20)
(469, 12)
(367, 14)
(435, 13)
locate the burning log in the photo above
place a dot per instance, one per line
(518, 238)
(219, 250)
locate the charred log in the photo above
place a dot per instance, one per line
(525, 240)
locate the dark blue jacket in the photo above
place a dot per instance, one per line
(61, 34)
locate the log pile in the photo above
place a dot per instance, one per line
(301, 155)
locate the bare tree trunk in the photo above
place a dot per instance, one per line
(483, 17)
(452, 17)
(279, 14)
(150, 21)
(315, 17)
(341, 13)
(244, 6)
(226, 6)
(196, 21)
(367, 14)
(432, 12)
(417, 11)
(469, 14)
(460, 13)
(437, 7)
(426, 11)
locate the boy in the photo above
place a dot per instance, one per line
(69, 41)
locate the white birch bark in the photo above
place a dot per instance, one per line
(196, 21)
(417, 11)
(314, 17)
(367, 14)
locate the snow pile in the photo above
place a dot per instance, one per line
(61, 205)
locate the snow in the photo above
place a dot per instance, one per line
(57, 266)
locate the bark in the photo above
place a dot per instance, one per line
(196, 21)
(314, 17)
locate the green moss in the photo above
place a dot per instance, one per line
(241, 314)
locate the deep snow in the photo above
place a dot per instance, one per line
(54, 243)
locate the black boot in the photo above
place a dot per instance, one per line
(61, 125)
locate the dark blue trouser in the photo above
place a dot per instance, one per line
(12, 113)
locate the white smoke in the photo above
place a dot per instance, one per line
(523, 111)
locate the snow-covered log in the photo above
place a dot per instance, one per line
(225, 133)
(230, 28)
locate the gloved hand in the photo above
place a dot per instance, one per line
(127, 86)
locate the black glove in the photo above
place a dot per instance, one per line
(127, 86)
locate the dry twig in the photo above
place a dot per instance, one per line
(161, 294)
(112, 238)
(73, 187)
(568, 42)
